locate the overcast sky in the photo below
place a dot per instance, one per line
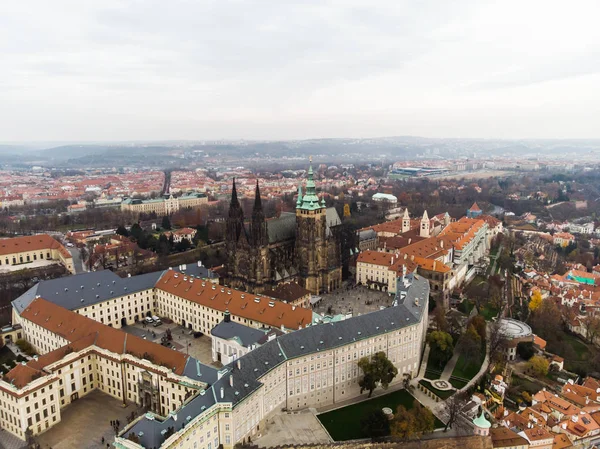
(273, 69)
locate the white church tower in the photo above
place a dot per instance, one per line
(405, 221)
(424, 225)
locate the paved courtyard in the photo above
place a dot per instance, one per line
(199, 348)
(294, 428)
(355, 299)
(86, 421)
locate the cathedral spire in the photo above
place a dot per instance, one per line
(257, 201)
(234, 198)
(258, 226)
(310, 200)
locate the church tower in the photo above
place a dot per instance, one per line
(235, 219)
(259, 248)
(312, 247)
(424, 225)
(405, 221)
(258, 225)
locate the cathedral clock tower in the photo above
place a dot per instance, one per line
(311, 234)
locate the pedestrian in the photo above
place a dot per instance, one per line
(102, 440)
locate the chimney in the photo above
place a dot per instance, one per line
(231, 380)
(222, 392)
(226, 316)
(239, 364)
(434, 263)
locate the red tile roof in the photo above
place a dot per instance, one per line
(31, 243)
(253, 307)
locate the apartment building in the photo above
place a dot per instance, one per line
(18, 252)
(311, 367)
(166, 205)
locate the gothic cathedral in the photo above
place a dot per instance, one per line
(304, 247)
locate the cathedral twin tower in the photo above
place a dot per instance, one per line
(303, 247)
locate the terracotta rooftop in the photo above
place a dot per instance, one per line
(287, 291)
(242, 304)
(81, 331)
(561, 441)
(21, 375)
(31, 243)
(504, 437)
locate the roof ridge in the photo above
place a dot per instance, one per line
(281, 349)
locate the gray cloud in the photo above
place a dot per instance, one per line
(265, 68)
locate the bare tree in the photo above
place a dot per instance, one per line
(452, 408)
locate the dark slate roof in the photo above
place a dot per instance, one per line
(323, 337)
(239, 378)
(282, 228)
(92, 287)
(367, 234)
(193, 269)
(196, 370)
(245, 335)
(332, 217)
(149, 430)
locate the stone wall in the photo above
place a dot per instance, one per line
(467, 442)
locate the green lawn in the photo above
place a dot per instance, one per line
(465, 370)
(575, 352)
(344, 423)
(489, 312)
(442, 394)
(465, 307)
(435, 364)
(457, 383)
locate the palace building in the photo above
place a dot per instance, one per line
(166, 205)
(294, 362)
(304, 246)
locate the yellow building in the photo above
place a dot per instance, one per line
(33, 250)
(166, 205)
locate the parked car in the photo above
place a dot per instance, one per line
(155, 318)
(156, 323)
(148, 320)
(198, 334)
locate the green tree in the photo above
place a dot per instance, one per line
(375, 424)
(166, 223)
(164, 246)
(183, 245)
(469, 344)
(404, 424)
(538, 365)
(525, 350)
(121, 230)
(136, 231)
(377, 369)
(478, 322)
(411, 423)
(441, 342)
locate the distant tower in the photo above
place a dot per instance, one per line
(424, 225)
(481, 426)
(405, 221)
